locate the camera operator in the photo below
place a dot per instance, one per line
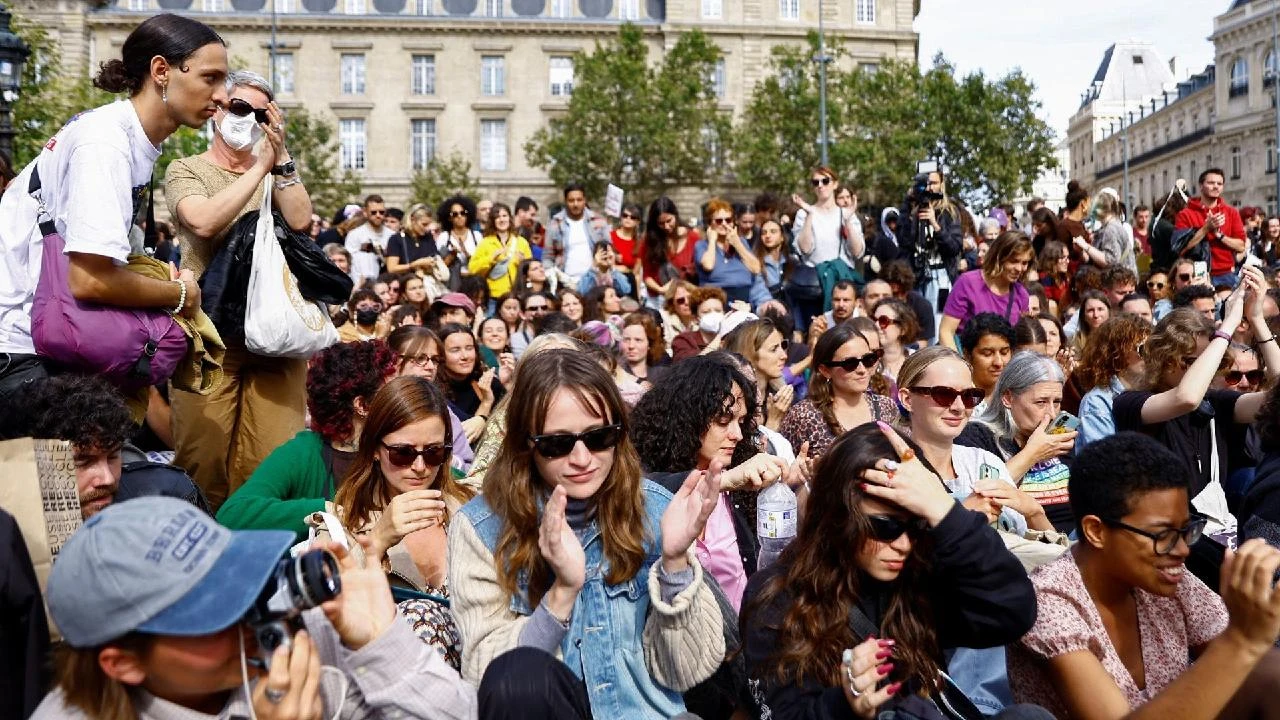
(929, 231)
(151, 596)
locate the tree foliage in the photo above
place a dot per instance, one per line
(442, 178)
(645, 128)
(985, 133)
(311, 143)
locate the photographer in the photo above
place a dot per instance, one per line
(151, 596)
(929, 232)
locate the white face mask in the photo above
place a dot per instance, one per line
(710, 322)
(240, 132)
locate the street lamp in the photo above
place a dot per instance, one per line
(13, 53)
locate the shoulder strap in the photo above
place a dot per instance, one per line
(47, 227)
(863, 628)
(1008, 310)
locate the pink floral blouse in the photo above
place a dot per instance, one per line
(1067, 621)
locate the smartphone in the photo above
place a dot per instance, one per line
(1065, 422)
(1200, 269)
(988, 472)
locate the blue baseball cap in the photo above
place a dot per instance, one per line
(158, 565)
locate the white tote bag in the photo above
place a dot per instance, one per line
(278, 321)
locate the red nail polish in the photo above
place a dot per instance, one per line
(863, 485)
(883, 654)
(894, 688)
(886, 643)
(885, 668)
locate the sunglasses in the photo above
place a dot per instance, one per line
(820, 181)
(402, 456)
(681, 301)
(377, 212)
(721, 221)
(1156, 285)
(241, 108)
(457, 213)
(886, 528)
(629, 216)
(1189, 360)
(536, 309)
(851, 364)
(1184, 277)
(561, 444)
(946, 396)
(884, 321)
(1256, 377)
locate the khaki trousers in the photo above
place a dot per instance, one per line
(220, 438)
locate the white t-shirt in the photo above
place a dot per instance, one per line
(577, 247)
(967, 462)
(94, 175)
(365, 233)
(826, 234)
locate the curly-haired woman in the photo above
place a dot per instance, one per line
(1112, 363)
(456, 215)
(574, 553)
(399, 495)
(298, 477)
(643, 348)
(886, 572)
(839, 398)
(708, 304)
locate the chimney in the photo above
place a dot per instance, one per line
(1173, 68)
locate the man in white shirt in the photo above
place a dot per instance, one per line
(571, 235)
(368, 242)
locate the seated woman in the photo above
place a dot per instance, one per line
(1112, 363)
(603, 272)
(399, 495)
(698, 414)
(762, 343)
(471, 389)
(643, 349)
(1013, 426)
(1119, 617)
(575, 553)
(838, 398)
(420, 355)
(886, 572)
(988, 344)
(898, 330)
(298, 477)
(708, 304)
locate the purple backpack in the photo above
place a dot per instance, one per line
(132, 348)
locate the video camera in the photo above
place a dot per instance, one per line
(298, 583)
(918, 198)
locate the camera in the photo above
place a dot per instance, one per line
(298, 583)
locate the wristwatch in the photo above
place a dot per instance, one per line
(288, 168)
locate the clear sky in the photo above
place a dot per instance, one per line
(1059, 45)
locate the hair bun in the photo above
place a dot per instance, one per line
(114, 77)
(1073, 186)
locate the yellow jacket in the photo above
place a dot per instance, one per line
(484, 262)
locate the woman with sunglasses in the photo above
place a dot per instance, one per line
(574, 553)
(724, 260)
(459, 242)
(839, 398)
(421, 355)
(678, 314)
(471, 389)
(1175, 404)
(995, 288)
(1112, 363)
(763, 345)
(898, 331)
(1122, 629)
(626, 243)
(1158, 287)
(398, 497)
(886, 573)
(822, 231)
(300, 475)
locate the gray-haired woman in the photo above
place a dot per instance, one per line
(221, 437)
(1026, 399)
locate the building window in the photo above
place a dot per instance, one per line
(715, 156)
(351, 68)
(719, 80)
(423, 80)
(869, 68)
(561, 76)
(352, 143)
(139, 4)
(1235, 162)
(493, 145)
(355, 7)
(1269, 69)
(712, 9)
(421, 7)
(493, 8)
(286, 6)
(1195, 123)
(215, 5)
(283, 81)
(1271, 156)
(422, 143)
(629, 10)
(561, 8)
(493, 79)
(789, 9)
(865, 12)
(1141, 192)
(1239, 78)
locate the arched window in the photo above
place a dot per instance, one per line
(1269, 69)
(1239, 78)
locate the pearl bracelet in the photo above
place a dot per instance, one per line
(182, 298)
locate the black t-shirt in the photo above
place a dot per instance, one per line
(1046, 481)
(408, 249)
(1188, 435)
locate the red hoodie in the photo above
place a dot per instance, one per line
(1193, 217)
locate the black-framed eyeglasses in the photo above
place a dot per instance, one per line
(1165, 541)
(820, 181)
(561, 444)
(851, 364)
(1255, 377)
(242, 108)
(946, 396)
(423, 360)
(405, 455)
(886, 528)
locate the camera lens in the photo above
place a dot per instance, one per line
(313, 578)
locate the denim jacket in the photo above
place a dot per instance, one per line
(607, 637)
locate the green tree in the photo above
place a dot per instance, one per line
(443, 177)
(311, 143)
(183, 143)
(640, 127)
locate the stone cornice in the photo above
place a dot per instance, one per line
(386, 25)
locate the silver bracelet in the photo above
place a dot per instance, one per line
(182, 298)
(286, 181)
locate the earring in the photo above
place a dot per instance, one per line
(164, 93)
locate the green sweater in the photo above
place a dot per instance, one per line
(288, 486)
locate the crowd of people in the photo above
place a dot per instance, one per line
(1035, 456)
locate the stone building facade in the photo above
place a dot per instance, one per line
(404, 80)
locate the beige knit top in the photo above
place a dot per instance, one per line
(197, 176)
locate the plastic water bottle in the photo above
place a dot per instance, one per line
(776, 515)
